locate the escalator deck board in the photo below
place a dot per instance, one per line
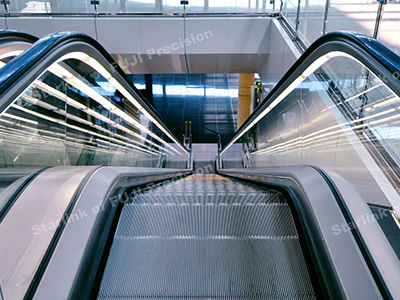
(206, 237)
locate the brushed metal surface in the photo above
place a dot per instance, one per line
(206, 236)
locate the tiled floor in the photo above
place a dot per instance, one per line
(208, 100)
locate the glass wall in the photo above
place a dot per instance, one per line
(49, 6)
(390, 26)
(289, 10)
(311, 18)
(345, 15)
(357, 16)
(164, 7)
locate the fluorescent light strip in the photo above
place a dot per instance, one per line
(50, 139)
(72, 102)
(55, 109)
(80, 85)
(73, 117)
(364, 92)
(103, 72)
(355, 96)
(314, 137)
(384, 103)
(310, 70)
(80, 120)
(44, 139)
(54, 120)
(19, 118)
(9, 54)
(23, 134)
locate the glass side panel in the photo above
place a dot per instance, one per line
(339, 117)
(71, 115)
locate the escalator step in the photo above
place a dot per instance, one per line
(202, 221)
(191, 267)
(206, 237)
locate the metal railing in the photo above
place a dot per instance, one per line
(95, 8)
(308, 19)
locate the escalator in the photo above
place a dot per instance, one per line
(201, 237)
(12, 43)
(114, 211)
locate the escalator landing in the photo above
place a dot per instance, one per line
(205, 237)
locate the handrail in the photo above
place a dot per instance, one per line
(139, 14)
(374, 55)
(305, 185)
(190, 160)
(17, 75)
(376, 58)
(11, 35)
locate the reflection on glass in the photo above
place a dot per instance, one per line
(73, 115)
(343, 15)
(336, 117)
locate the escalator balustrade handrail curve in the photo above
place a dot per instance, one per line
(17, 36)
(18, 74)
(312, 192)
(379, 59)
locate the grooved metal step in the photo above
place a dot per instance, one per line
(214, 238)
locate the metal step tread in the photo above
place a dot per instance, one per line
(207, 267)
(206, 220)
(227, 245)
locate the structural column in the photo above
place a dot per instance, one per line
(245, 81)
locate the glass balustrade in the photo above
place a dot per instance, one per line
(336, 115)
(77, 114)
(344, 15)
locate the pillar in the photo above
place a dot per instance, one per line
(245, 81)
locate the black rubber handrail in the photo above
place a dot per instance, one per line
(17, 36)
(380, 60)
(12, 74)
(309, 225)
(374, 55)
